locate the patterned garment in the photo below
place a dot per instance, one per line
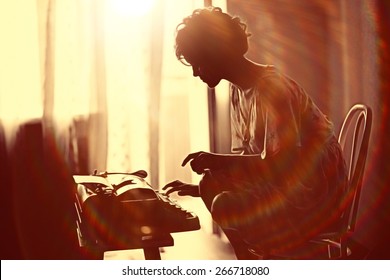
(275, 117)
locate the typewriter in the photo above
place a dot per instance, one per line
(122, 211)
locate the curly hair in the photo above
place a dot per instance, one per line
(209, 32)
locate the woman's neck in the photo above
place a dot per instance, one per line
(244, 72)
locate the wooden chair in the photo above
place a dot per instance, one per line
(354, 139)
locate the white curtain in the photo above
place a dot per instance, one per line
(111, 63)
(20, 88)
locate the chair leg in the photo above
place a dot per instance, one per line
(334, 249)
(334, 252)
(344, 250)
(339, 249)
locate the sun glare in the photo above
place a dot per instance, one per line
(132, 8)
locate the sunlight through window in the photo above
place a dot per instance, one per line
(131, 8)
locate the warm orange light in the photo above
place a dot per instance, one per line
(132, 8)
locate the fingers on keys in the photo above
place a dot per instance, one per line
(174, 186)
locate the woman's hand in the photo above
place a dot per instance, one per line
(201, 161)
(181, 189)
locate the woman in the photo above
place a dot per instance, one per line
(285, 184)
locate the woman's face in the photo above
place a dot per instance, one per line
(208, 70)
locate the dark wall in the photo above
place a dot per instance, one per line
(293, 36)
(381, 247)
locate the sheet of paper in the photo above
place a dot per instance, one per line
(80, 179)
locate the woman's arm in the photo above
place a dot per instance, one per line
(270, 167)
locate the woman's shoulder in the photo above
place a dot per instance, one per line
(269, 76)
(270, 80)
(269, 70)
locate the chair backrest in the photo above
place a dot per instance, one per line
(354, 139)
